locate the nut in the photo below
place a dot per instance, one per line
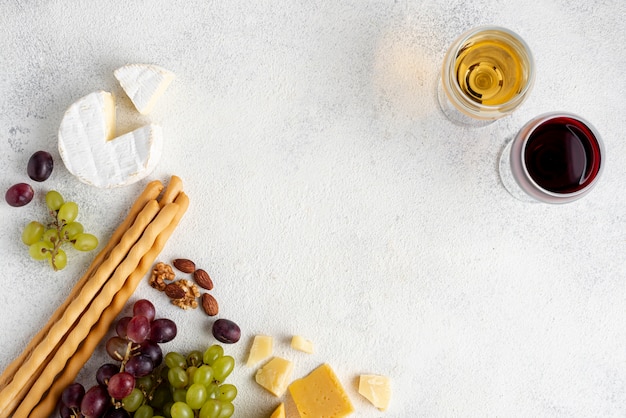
(209, 304)
(191, 293)
(202, 279)
(184, 265)
(160, 273)
(174, 291)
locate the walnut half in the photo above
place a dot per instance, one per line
(161, 272)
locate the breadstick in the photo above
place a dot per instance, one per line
(150, 192)
(76, 307)
(97, 306)
(174, 187)
(70, 371)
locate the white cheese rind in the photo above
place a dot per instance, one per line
(88, 152)
(144, 84)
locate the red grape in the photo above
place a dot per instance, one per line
(19, 194)
(95, 402)
(122, 324)
(121, 384)
(105, 372)
(139, 366)
(72, 395)
(162, 330)
(138, 329)
(153, 351)
(40, 166)
(226, 331)
(145, 308)
(117, 347)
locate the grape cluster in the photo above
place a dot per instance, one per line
(144, 383)
(45, 241)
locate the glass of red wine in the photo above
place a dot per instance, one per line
(556, 157)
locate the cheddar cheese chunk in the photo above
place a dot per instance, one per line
(275, 375)
(320, 395)
(300, 343)
(279, 412)
(262, 347)
(376, 389)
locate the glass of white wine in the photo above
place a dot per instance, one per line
(487, 73)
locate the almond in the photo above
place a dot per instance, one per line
(202, 279)
(174, 291)
(209, 304)
(184, 265)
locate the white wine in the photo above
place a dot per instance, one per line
(490, 69)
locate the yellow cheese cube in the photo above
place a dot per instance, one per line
(262, 347)
(300, 343)
(320, 395)
(376, 389)
(279, 412)
(275, 375)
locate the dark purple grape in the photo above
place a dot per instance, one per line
(162, 330)
(104, 373)
(226, 331)
(121, 384)
(40, 166)
(145, 308)
(139, 366)
(122, 324)
(67, 412)
(72, 395)
(117, 413)
(95, 402)
(19, 194)
(153, 351)
(117, 347)
(138, 329)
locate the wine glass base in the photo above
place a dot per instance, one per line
(507, 179)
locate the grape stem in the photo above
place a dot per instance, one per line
(57, 242)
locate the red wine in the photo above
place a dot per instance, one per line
(562, 155)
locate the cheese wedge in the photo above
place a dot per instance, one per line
(144, 84)
(262, 348)
(279, 412)
(300, 343)
(376, 389)
(275, 375)
(321, 395)
(90, 150)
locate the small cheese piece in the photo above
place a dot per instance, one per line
(90, 150)
(275, 375)
(376, 389)
(300, 343)
(279, 412)
(144, 84)
(262, 348)
(321, 395)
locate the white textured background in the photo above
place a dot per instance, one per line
(330, 198)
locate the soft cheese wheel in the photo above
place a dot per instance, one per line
(91, 152)
(144, 84)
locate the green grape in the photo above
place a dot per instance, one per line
(196, 395)
(191, 371)
(194, 358)
(67, 212)
(144, 411)
(179, 395)
(69, 231)
(158, 416)
(211, 409)
(174, 359)
(212, 353)
(133, 401)
(40, 250)
(32, 232)
(146, 383)
(161, 396)
(177, 377)
(85, 242)
(203, 375)
(60, 260)
(181, 410)
(54, 200)
(167, 409)
(226, 393)
(227, 410)
(222, 367)
(50, 235)
(212, 388)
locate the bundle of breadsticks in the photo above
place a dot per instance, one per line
(32, 384)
